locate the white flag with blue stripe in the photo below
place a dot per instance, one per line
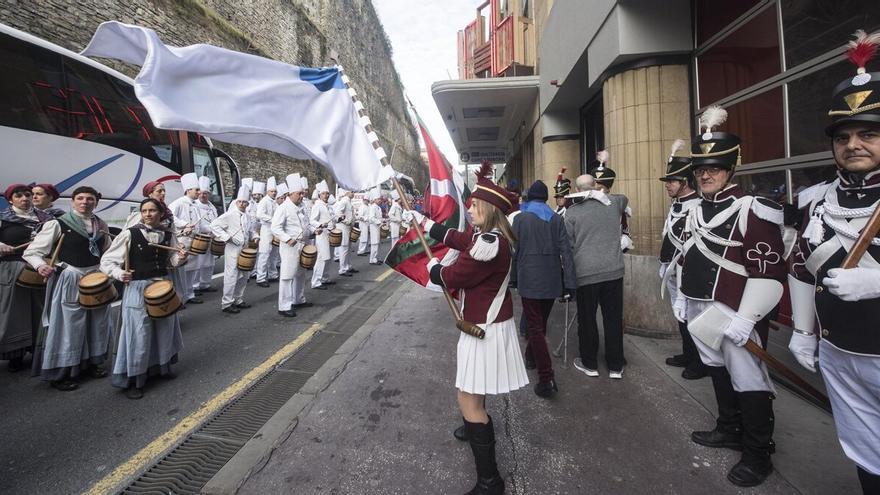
(239, 98)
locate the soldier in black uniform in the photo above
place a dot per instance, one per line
(560, 190)
(731, 278)
(846, 302)
(679, 183)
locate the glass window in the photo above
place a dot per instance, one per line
(592, 133)
(713, 16)
(746, 57)
(808, 103)
(204, 166)
(770, 185)
(802, 178)
(43, 91)
(758, 122)
(813, 27)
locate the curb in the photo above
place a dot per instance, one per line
(258, 450)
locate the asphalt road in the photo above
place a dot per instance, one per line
(63, 442)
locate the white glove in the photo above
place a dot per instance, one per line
(431, 263)
(237, 240)
(854, 284)
(663, 268)
(804, 349)
(739, 329)
(626, 242)
(680, 307)
(408, 216)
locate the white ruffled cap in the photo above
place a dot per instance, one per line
(259, 187)
(281, 189)
(204, 183)
(244, 194)
(331, 200)
(321, 187)
(314, 194)
(271, 184)
(305, 182)
(394, 195)
(294, 183)
(248, 182)
(189, 181)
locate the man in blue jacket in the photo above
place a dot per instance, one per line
(542, 270)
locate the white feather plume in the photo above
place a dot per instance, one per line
(676, 145)
(861, 37)
(712, 118)
(602, 157)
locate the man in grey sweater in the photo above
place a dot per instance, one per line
(596, 226)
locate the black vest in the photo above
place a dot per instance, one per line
(147, 261)
(667, 249)
(699, 274)
(75, 248)
(851, 326)
(14, 234)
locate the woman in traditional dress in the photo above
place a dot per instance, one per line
(44, 195)
(20, 308)
(147, 346)
(494, 364)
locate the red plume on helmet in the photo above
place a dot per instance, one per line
(863, 48)
(486, 171)
(488, 191)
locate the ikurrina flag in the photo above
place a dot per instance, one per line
(443, 203)
(239, 98)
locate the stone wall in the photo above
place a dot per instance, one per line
(301, 32)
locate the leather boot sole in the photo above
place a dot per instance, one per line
(700, 437)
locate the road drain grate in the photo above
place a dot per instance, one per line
(187, 468)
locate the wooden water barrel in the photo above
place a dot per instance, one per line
(247, 259)
(218, 247)
(30, 279)
(252, 244)
(161, 299)
(276, 242)
(200, 244)
(402, 230)
(308, 256)
(335, 238)
(384, 231)
(96, 290)
(355, 234)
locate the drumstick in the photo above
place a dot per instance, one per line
(162, 246)
(20, 246)
(54, 258)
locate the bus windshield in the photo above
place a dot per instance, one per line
(43, 91)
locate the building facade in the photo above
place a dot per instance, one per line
(631, 76)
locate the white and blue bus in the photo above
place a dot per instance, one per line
(70, 121)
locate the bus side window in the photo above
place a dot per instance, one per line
(204, 166)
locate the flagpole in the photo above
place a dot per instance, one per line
(465, 326)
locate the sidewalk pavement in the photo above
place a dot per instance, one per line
(382, 421)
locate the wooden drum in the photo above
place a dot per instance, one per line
(161, 299)
(308, 256)
(276, 242)
(402, 230)
(96, 290)
(217, 247)
(200, 244)
(355, 234)
(30, 279)
(335, 238)
(384, 231)
(247, 259)
(252, 244)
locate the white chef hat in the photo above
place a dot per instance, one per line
(394, 195)
(294, 183)
(189, 181)
(314, 194)
(259, 187)
(281, 189)
(331, 200)
(271, 184)
(248, 182)
(373, 195)
(244, 193)
(204, 183)
(305, 182)
(321, 187)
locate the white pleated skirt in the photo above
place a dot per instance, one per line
(493, 365)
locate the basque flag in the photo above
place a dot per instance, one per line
(444, 203)
(300, 112)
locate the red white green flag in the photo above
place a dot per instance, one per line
(444, 203)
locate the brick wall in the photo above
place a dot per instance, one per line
(301, 32)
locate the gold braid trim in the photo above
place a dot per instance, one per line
(496, 193)
(850, 113)
(677, 171)
(717, 153)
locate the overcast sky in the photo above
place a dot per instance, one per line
(423, 36)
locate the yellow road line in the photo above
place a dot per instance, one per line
(384, 275)
(172, 437)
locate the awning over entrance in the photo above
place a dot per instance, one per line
(484, 115)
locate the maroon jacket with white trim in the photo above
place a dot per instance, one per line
(477, 281)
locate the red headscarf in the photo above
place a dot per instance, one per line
(50, 190)
(12, 187)
(148, 188)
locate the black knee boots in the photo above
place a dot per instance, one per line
(757, 439)
(482, 439)
(728, 426)
(870, 482)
